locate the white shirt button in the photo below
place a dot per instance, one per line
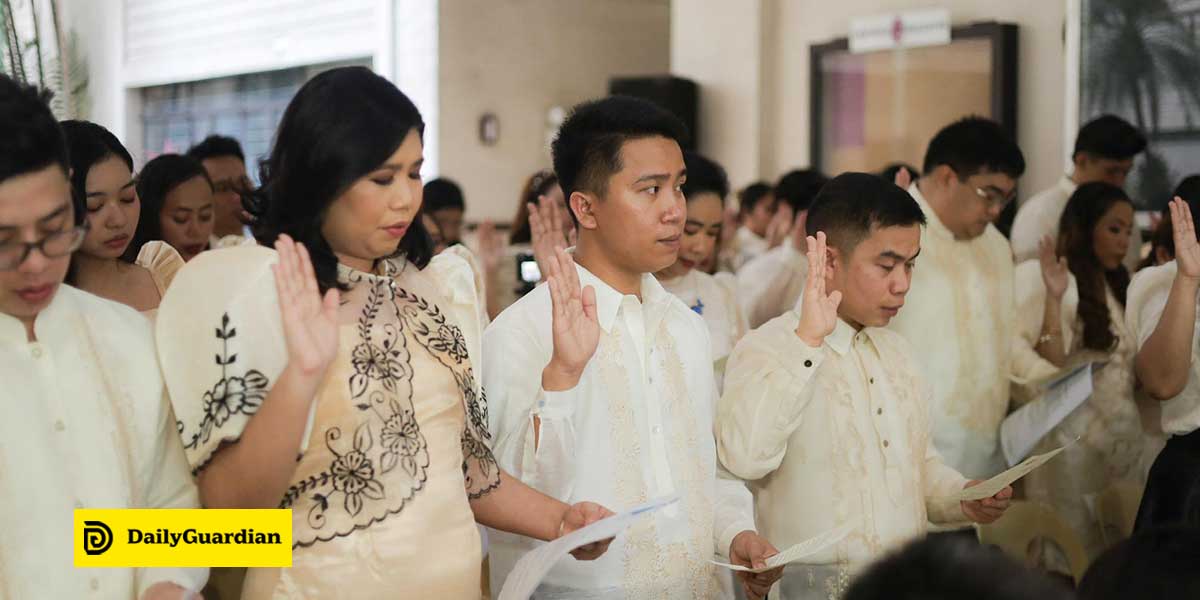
(657, 429)
(36, 352)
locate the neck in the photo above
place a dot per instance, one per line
(592, 258)
(28, 323)
(363, 265)
(939, 203)
(228, 228)
(90, 268)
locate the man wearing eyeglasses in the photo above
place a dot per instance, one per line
(959, 315)
(84, 422)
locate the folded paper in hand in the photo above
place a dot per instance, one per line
(525, 576)
(1025, 427)
(993, 486)
(802, 550)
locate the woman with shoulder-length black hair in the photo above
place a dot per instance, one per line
(343, 385)
(104, 191)
(1071, 311)
(177, 206)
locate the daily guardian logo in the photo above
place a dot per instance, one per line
(183, 538)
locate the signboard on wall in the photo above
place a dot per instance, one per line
(910, 29)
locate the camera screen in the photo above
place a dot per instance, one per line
(530, 272)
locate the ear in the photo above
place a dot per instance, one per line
(582, 204)
(833, 260)
(1081, 159)
(944, 175)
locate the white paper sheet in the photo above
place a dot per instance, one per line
(529, 571)
(994, 485)
(1026, 426)
(802, 550)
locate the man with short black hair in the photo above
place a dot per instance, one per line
(612, 397)
(83, 417)
(960, 314)
(825, 412)
(1104, 151)
(756, 208)
(225, 163)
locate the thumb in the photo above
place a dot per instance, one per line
(835, 298)
(331, 302)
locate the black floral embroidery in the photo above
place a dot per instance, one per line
(231, 395)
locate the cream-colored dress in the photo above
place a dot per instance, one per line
(1111, 446)
(163, 262)
(397, 439)
(715, 300)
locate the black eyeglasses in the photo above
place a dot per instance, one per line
(55, 245)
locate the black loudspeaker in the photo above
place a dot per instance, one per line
(676, 94)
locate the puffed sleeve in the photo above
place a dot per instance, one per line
(221, 346)
(162, 261)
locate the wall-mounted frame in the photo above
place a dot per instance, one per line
(876, 108)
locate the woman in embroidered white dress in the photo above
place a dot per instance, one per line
(103, 188)
(359, 410)
(1071, 311)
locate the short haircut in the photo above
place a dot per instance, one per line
(32, 139)
(953, 568)
(1110, 137)
(587, 149)
(752, 194)
(799, 187)
(1155, 564)
(158, 178)
(441, 194)
(851, 204)
(704, 175)
(215, 146)
(974, 145)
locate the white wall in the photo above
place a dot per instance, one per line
(719, 45)
(518, 59)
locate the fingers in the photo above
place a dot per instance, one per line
(330, 303)
(903, 179)
(535, 223)
(566, 266)
(588, 298)
(305, 270)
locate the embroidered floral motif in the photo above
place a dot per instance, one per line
(230, 395)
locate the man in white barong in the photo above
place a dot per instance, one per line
(600, 383)
(825, 412)
(85, 422)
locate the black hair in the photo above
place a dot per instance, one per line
(341, 125)
(853, 203)
(215, 146)
(89, 144)
(973, 145)
(889, 172)
(704, 175)
(32, 139)
(752, 194)
(1154, 564)
(953, 568)
(799, 187)
(1087, 205)
(158, 178)
(587, 149)
(537, 185)
(1111, 137)
(442, 194)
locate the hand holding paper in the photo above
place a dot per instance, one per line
(995, 485)
(751, 550)
(802, 550)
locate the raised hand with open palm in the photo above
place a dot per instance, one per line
(818, 309)
(1055, 273)
(1187, 250)
(309, 320)
(575, 324)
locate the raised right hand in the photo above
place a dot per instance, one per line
(818, 310)
(1187, 250)
(545, 232)
(1054, 269)
(309, 322)
(575, 324)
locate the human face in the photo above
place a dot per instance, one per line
(876, 276)
(187, 217)
(368, 221)
(33, 206)
(760, 216)
(1089, 168)
(449, 221)
(639, 222)
(228, 174)
(700, 233)
(976, 202)
(113, 209)
(1110, 238)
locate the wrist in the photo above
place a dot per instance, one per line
(811, 340)
(302, 382)
(557, 377)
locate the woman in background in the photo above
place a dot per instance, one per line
(177, 205)
(541, 194)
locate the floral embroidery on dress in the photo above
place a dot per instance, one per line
(230, 395)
